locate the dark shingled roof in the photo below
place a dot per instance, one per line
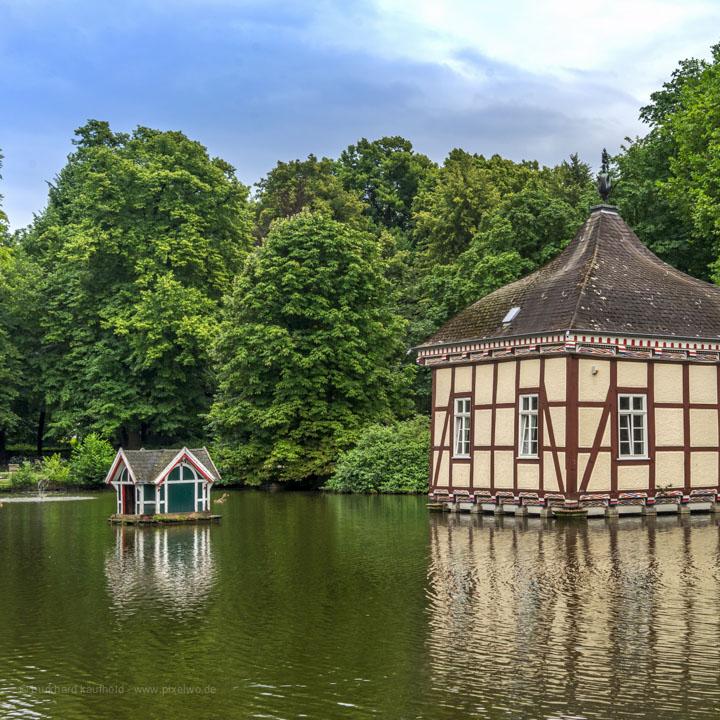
(605, 281)
(146, 465)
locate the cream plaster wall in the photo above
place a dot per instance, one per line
(443, 457)
(669, 426)
(703, 428)
(583, 459)
(555, 370)
(550, 480)
(588, 422)
(669, 469)
(632, 374)
(668, 382)
(481, 470)
(463, 379)
(703, 469)
(703, 383)
(504, 460)
(443, 381)
(506, 381)
(530, 373)
(528, 476)
(461, 475)
(483, 427)
(600, 478)
(484, 383)
(591, 387)
(438, 430)
(505, 426)
(633, 477)
(557, 417)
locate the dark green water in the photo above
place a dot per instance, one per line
(307, 606)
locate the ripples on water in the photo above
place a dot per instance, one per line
(338, 607)
(605, 619)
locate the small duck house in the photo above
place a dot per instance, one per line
(165, 483)
(593, 381)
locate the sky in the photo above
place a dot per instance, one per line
(257, 81)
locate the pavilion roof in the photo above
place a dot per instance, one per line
(605, 281)
(146, 465)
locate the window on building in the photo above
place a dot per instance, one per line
(462, 427)
(528, 426)
(632, 420)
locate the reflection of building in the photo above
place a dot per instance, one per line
(597, 375)
(171, 564)
(162, 482)
(574, 620)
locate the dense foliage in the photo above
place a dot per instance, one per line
(140, 240)
(386, 459)
(154, 302)
(667, 188)
(90, 460)
(308, 352)
(87, 466)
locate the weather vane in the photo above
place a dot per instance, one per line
(604, 182)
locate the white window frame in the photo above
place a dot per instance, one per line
(528, 410)
(461, 427)
(633, 414)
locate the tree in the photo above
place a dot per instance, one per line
(387, 174)
(657, 208)
(140, 240)
(309, 184)
(534, 222)
(308, 352)
(10, 359)
(692, 187)
(450, 211)
(4, 231)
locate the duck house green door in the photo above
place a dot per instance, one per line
(181, 497)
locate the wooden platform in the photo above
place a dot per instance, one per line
(165, 519)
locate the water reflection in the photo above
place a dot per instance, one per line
(596, 619)
(172, 565)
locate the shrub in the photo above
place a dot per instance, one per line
(55, 470)
(90, 460)
(386, 459)
(27, 475)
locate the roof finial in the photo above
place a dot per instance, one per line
(604, 181)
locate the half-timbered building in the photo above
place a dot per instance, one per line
(594, 379)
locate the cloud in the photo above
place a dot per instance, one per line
(261, 81)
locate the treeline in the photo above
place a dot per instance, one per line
(158, 300)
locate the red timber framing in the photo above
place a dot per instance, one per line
(572, 480)
(571, 425)
(444, 443)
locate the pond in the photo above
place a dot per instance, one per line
(311, 606)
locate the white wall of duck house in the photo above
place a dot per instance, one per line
(184, 490)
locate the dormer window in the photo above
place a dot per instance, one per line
(512, 313)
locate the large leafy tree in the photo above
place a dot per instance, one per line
(141, 237)
(17, 292)
(387, 173)
(9, 359)
(463, 195)
(308, 352)
(692, 188)
(650, 200)
(309, 184)
(3, 217)
(485, 222)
